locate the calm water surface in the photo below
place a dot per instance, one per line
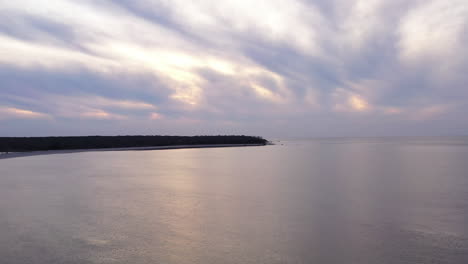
(317, 201)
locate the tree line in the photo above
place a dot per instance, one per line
(18, 144)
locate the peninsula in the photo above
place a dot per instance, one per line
(27, 144)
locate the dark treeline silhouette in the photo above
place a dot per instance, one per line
(18, 144)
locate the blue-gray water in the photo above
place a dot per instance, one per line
(320, 201)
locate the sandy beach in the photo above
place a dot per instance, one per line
(51, 152)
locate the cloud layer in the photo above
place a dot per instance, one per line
(276, 68)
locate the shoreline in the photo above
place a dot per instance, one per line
(70, 151)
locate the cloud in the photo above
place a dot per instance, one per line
(235, 65)
(16, 113)
(433, 29)
(430, 112)
(99, 114)
(155, 116)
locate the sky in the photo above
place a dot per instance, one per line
(273, 68)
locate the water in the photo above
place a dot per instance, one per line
(318, 201)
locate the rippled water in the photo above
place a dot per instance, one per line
(318, 201)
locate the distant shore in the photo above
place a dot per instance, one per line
(10, 155)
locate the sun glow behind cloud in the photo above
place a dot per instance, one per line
(358, 103)
(239, 62)
(13, 113)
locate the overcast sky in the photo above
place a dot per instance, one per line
(275, 68)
